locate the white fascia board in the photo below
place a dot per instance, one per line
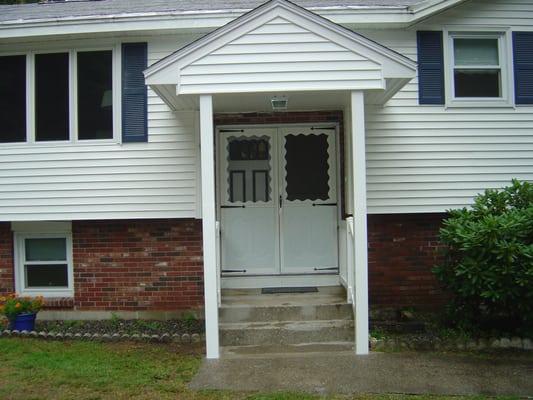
(211, 19)
(428, 8)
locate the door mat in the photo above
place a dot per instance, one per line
(276, 290)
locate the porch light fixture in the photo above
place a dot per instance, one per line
(279, 103)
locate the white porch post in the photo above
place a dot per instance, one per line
(207, 156)
(360, 228)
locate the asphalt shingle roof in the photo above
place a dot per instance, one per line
(66, 9)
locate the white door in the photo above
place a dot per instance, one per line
(248, 201)
(278, 202)
(308, 200)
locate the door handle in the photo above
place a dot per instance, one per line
(324, 204)
(280, 201)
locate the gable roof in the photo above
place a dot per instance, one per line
(279, 46)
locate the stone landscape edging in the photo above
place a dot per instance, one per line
(398, 343)
(184, 338)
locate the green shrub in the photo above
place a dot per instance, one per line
(488, 260)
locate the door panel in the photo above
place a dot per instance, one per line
(248, 212)
(250, 240)
(308, 239)
(308, 215)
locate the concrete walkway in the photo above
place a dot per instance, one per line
(345, 373)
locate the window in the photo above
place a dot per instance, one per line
(95, 95)
(64, 95)
(52, 97)
(13, 99)
(477, 69)
(44, 264)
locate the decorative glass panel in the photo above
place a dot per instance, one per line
(260, 181)
(477, 83)
(249, 169)
(46, 249)
(476, 52)
(95, 95)
(307, 167)
(46, 275)
(12, 99)
(52, 96)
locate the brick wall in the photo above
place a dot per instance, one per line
(403, 248)
(7, 281)
(134, 265)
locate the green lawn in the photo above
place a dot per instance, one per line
(35, 369)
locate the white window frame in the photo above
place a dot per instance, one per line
(504, 54)
(20, 261)
(115, 48)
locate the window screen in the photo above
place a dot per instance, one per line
(52, 96)
(477, 71)
(95, 95)
(45, 263)
(12, 99)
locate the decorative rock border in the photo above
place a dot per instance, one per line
(177, 338)
(436, 344)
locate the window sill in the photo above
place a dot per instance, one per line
(48, 294)
(51, 144)
(479, 104)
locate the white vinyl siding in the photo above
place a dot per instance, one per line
(433, 158)
(280, 55)
(84, 180)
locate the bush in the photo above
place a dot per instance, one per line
(488, 260)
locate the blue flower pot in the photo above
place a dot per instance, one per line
(23, 322)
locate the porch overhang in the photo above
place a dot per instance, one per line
(279, 47)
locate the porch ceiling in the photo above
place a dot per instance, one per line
(279, 48)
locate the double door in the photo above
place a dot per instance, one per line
(278, 200)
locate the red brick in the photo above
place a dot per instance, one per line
(403, 248)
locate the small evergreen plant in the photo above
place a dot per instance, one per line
(488, 260)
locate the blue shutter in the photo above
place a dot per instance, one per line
(523, 67)
(430, 67)
(134, 93)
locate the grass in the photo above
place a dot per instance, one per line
(35, 369)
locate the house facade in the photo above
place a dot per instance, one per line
(152, 155)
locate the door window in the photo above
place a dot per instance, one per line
(307, 167)
(249, 169)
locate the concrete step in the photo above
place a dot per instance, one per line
(323, 290)
(254, 351)
(287, 332)
(277, 313)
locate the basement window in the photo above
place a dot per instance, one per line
(44, 264)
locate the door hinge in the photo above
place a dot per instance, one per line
(329, 128)
(232, 271)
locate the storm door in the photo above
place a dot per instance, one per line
(278, 202)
